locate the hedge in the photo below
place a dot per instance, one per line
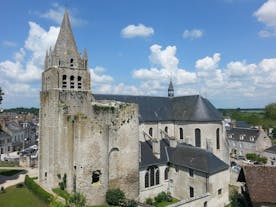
(37, 190)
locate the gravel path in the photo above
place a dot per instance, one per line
(6, 181)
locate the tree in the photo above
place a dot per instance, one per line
(1, 95)
(270, 111)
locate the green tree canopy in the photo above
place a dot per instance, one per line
(270, 111)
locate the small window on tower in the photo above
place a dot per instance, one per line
(64, 81)
(96, 176)
(72, 78)
(71, 62)
(79, 82)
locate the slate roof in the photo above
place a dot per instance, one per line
(13, 126)
(147, 156)
(242, 124)
(271, 149)
(196, 158)
(181, 108)
(182, 155)
(260, 182)
(249, 135)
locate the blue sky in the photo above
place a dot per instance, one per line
(224, 50)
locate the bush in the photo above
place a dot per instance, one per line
(161, 197)
(37, 190)
(114, 196)
(149, 201)
(129, 203)
(20, 185)
(257, 158)
(77, 200)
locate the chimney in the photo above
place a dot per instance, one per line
(156, 148)
(173, 141)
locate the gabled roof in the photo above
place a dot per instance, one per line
(196, 158)
(271, 149)
(243, 134)
(182, 155)
(181, 108)
(260, 182)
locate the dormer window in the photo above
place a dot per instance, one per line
(252, 138)
(242, 137)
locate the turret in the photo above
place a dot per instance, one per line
(170, 90)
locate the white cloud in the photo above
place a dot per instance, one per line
(267, 15)
(20, 76)
(28, 68)
(192, 34)
(208, 63)
(154, 80)
(140, 30)
(98, 78)
(9, 43)
(55, 14)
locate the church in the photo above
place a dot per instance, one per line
(143, 145)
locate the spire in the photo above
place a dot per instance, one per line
(65, 48)
(170, 89)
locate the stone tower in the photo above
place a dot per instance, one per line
(81, 140)
(170, 90)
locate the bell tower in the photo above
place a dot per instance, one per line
(70, 69)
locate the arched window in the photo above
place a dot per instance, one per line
(72, 78)
(152, 175)
(150, 131)
(205, 204)
(64, 81)
(79, 82)
(197, 137)
(217, 136)
(166, 129)
(166, 173)
(71, 62)
(181, 133)
(157, 176)
(147, 179)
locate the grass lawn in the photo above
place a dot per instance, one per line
(9, 172)
(165, 203)
(20, 197)
(7, 164)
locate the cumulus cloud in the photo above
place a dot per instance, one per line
(208, 62)
(154, 80)
(55, 14)
(267, 15)
(192, 34)
(139, 30)
(20, 76)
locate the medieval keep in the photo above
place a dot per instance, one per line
(141, 144)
